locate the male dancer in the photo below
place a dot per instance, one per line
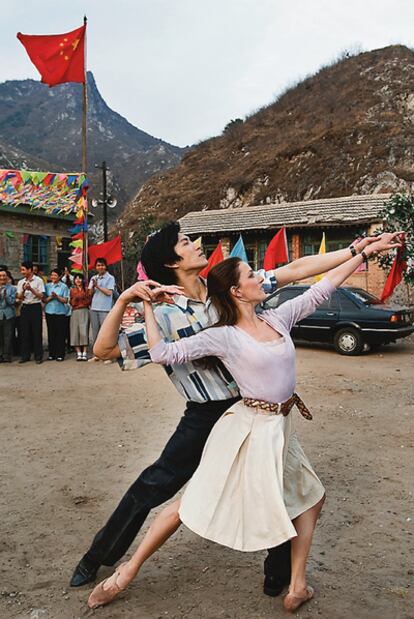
(169, 257)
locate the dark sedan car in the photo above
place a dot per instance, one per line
(350, 319)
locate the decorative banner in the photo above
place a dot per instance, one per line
(111, 251)
(399, 266)
(322, 250)
(215, 258)
(141, 275)
(239, 250)
(56, 194)
(277, 251)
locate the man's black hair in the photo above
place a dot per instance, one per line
(10, 276)
(159, 251)
(102, 261)
(27, 264)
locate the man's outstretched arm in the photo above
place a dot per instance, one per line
(308, 266)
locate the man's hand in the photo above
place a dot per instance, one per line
(141, 291)
(162, 294)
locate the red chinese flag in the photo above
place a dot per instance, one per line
(277, 251)
(59, 58)
(111, 251)
(215, 258)
(395, 275)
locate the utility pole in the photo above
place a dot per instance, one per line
(107, 201)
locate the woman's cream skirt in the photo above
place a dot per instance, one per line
(252, 481)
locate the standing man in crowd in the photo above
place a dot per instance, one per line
(7, 314)
(102, 287)
(30, 292)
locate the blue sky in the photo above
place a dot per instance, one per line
(182, 69)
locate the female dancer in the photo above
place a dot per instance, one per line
(254, 487)
(80, 300)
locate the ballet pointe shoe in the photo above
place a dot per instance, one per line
(291, 601)
(104, 593)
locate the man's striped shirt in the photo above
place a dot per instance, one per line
(183, 318)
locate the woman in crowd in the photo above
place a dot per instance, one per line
(80, 300)
(254, 488)
(56, 299)
(67, 278)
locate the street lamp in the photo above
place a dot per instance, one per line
(107, 201)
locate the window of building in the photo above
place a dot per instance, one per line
(36, 249)
(251, 255)
(261, 250)
(63, 252)
(208, 249)
(335, 239)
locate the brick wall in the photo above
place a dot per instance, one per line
(18, 224)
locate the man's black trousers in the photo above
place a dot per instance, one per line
(161, 481)
(6, 338)
(31, 331)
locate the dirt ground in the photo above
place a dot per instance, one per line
(74, 436)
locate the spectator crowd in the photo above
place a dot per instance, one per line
(74, 312)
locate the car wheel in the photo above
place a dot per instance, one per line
(348, 341)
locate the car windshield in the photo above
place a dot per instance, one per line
(364, 296)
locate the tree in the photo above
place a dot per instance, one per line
(234, 129)
(398, 214)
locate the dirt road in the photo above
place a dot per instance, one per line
(74, 436)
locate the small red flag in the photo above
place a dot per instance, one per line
(395, 275)
(215, 258)
(141, 275)
(277, 251)
(111, 251)
(59, 58)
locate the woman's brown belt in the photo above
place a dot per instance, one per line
(283, 408)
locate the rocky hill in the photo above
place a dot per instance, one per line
(40, 124)
(348, 129)
(14, 158)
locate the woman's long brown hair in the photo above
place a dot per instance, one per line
(220, 280)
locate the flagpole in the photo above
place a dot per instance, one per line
(84, 110)
(122, 266)
(84, 155)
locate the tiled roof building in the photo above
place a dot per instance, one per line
(342, 219)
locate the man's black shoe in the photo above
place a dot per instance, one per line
(83, 574)
(274, 585)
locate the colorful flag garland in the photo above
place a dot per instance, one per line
(56, 194)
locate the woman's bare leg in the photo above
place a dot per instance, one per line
(305, 526)
(164, 525)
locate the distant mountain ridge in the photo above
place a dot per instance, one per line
(42, 126)
(349, 129)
